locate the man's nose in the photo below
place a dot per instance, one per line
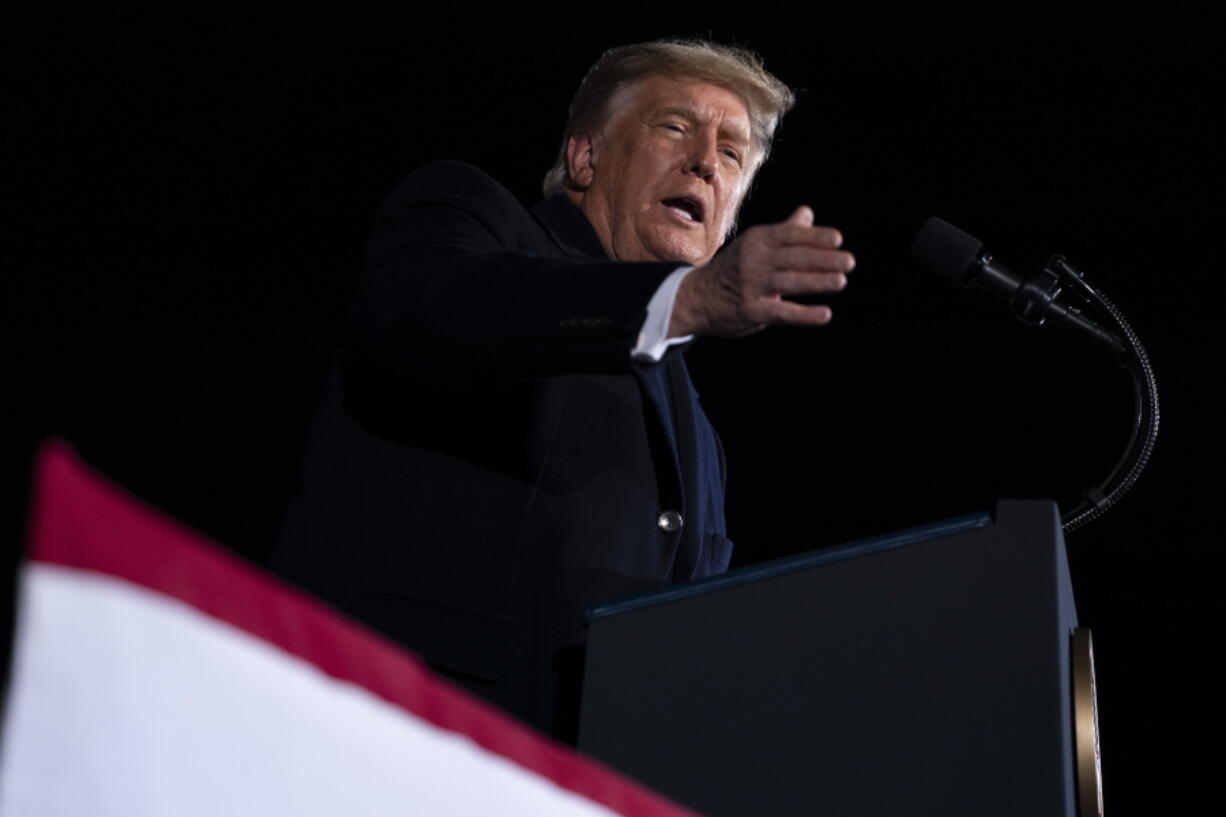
(704, 155)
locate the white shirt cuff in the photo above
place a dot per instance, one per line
(653, 339)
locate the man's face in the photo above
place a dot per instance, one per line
(662, 181)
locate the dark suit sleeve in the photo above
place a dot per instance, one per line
(463, 287)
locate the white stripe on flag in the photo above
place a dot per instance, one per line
(128, 703)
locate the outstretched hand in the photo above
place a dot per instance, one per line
(742, 290)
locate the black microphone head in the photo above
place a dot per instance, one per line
(945, 250)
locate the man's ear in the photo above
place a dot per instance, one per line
(581, 159)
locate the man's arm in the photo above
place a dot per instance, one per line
(461, 287)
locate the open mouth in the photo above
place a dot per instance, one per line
(688, 208)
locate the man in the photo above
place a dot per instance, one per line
(512, 435)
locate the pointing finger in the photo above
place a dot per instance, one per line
(793, 257)
(807, 283)
(790, 312)
(791, 232)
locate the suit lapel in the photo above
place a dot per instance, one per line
(683, 418)
(687, 456)
(657, 383)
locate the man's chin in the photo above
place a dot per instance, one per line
(682, 253)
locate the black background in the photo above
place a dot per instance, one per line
(190, 198)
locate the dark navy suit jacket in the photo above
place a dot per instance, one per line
(488, 460)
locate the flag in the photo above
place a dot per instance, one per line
(157, 674)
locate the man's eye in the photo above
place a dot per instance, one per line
(733, 155)
(674, 127)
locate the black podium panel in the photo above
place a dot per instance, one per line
(923, 673)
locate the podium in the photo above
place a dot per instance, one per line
(927, 672)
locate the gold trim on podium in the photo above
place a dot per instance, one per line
(1085, 727)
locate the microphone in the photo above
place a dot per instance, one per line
(959, 258)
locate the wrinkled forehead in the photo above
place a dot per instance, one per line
(682, 95)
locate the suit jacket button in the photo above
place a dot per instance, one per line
(669, 521)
